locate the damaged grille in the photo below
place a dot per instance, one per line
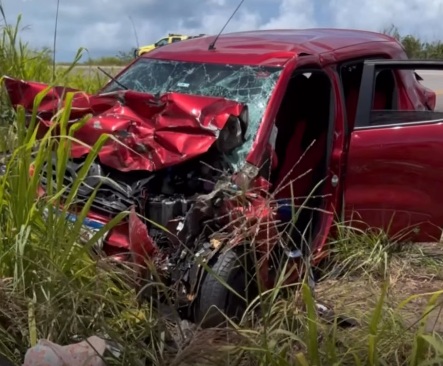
(111, 198)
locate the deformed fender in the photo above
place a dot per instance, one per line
(243, 219)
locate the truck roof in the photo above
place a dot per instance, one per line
(275, 47)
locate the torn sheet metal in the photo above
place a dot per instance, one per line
(148, 132)
(140, 243)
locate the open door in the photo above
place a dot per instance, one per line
(309, 144)
(394, 172)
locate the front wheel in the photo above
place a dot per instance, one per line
(216, 301)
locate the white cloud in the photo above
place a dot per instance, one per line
(105, 28)
(293, 14)
(418, 17)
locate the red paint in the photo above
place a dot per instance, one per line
(394, 179)
(140, 243)
(148, 133)
(275, 47)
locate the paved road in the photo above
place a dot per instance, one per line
(93, 70)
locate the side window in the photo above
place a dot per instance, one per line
(382, 103)
(162, 42)
(385, 92)
(175, 39)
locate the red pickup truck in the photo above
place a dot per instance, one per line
(251, 149)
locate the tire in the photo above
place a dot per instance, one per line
(215, 298)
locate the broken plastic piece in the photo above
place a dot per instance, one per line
(86, 353)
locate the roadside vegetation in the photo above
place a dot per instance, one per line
(415, 47)
(51, 287)
(121, 59)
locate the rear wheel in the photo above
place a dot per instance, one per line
(230, 271)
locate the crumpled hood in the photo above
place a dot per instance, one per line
(153, 132)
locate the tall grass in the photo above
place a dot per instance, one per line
(53, 287)
(50, 286)
(19, 60)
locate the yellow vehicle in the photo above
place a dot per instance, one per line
(171, 38)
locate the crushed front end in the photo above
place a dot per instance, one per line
(168, 163)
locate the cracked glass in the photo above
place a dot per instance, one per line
(251, 85)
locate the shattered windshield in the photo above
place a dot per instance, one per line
(252, 85)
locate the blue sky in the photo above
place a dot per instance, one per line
(104, 26)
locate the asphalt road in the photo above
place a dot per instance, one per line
(93, 70)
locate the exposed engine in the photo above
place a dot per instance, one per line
(180, 203)
(162, 197)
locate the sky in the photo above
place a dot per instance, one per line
(106, 27)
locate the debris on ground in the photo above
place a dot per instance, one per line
(86, 353)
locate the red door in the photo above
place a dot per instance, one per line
(394, 173)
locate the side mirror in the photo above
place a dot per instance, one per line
(233, 134)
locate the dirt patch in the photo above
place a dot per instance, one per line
(414, 275)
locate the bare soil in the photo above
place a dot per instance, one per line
(413, 276)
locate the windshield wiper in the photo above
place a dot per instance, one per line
(113, 78)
